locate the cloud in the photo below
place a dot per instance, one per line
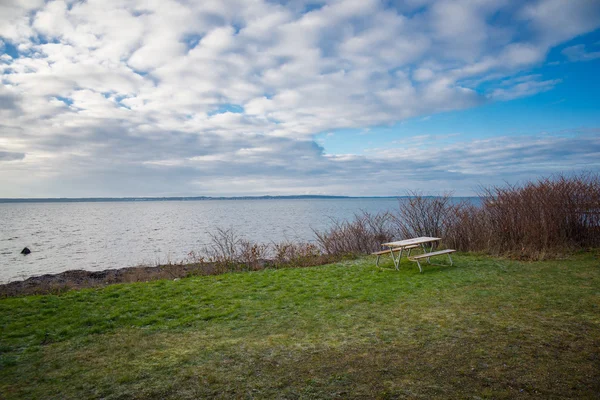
(580, 53)
(555, 20)
(10, 156)
(9, 100)
(523, 87)
(135, 97)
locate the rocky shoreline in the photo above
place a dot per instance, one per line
(81, 279)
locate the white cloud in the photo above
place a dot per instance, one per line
(523, 88)
(423, 74)
(556, 20)
(172, 85)
(14, 20)
(580, 53)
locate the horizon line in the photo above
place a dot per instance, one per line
(192, 198)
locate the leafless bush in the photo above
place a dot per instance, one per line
(546, 216)
(363, 234)
(420, 215)
(299, 255)
(235, 253)
(224, 247)
(534, 220)
(252, 255)
(467, 228)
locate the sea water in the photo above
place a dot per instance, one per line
(101, 235)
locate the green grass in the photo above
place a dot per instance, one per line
(485, 328)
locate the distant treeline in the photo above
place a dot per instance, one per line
(201, 198)
(186, 198)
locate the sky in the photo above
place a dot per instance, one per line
(126, 98)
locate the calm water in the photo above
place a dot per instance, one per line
(97, 236)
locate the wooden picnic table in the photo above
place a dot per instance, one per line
(426, 242)
(407, 244)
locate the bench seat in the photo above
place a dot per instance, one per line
(432, 254)
(435, 253)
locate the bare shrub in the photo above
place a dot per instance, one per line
(420, 215)
(362, 235)
(252, 255)
(224, 248)
(546, 216)
(467, 228)
(534, 220)
(299, 255)
(283, 252)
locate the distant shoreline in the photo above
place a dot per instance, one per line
(183, 198)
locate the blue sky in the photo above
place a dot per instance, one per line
(571, 105)
(344, 97)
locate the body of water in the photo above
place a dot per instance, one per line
(102, 235)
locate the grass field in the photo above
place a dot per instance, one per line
(485, 328)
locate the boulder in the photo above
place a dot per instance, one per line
(25, 251)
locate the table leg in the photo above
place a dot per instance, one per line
(430, 250)
(396, 261)
(433, 244)
(431, 247)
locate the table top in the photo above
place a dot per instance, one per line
(409, 242)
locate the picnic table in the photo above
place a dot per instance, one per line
(425, 242)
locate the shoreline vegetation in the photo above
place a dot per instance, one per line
(538, 220)
(293, 256)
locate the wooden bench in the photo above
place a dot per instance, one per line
(400, 249)
(432, 254)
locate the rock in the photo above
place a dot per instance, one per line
(25, 251)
